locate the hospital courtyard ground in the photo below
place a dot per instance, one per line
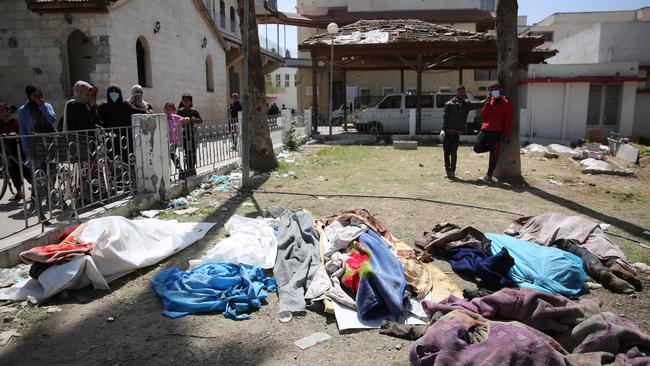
(139, 334)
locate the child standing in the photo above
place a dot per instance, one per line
(174, 123)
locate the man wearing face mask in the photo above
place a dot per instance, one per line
(496, 127)
(455, 123)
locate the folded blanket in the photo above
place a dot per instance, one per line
(226, 288)
(381, 287)
(491, 269)
(68, 248)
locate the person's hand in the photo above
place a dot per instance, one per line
(442, 134)
(149, 111)
(13, 134)
(38, 100)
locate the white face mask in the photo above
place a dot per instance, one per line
(114, 96)
(495, 93)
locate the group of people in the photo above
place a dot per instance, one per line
(496, 112)
(82, 112)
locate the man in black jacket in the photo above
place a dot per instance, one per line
(455, 123)
(233, 123)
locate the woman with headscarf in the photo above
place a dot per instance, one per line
(137, 99)
(77, 114)
(189, 133)
(117, 112)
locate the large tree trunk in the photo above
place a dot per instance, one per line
(262, 157)
(509, 164)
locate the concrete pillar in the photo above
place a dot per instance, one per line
(628, 105)
(151, 147)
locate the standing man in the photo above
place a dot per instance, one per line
(455, 123)
(235, 108)
(36, 116)
(186, 109)
(496, 127)
(9, 127)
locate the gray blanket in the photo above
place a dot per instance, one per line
(298, 257)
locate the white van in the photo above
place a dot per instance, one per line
(391, 114)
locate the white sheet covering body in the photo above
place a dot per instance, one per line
(251, 241)
(120, 247)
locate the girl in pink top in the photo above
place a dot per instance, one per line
(174, 123)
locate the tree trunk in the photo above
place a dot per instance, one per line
(509, 163)
(262, 157)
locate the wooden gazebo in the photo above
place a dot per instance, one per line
(414, 45)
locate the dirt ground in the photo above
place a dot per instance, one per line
(81, 334)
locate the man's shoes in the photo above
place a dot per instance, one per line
(451, 175)
(485, 179)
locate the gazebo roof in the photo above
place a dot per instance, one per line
(386, 44)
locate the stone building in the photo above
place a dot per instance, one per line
(169, 47)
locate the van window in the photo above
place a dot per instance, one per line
(425, 102)
(441, 99)
(392, 102)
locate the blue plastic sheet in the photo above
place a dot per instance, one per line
(231, 289)
(541, 268)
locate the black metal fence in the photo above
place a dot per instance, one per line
(61, 174)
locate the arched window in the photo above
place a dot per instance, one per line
(233, 20)
(222, 13)
(213, 10)
(144, 62)
(209, 74)
(82, 57)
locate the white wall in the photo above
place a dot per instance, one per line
(628, 42)
(41, 55)
(627, 69)
(581, 47)
(628, 105)
(177, 58)
(642, 116)
(289, 96)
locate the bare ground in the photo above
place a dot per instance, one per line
(81, 334)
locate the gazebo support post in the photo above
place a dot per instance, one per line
(314, 94)
(418, 99)
(345, 101)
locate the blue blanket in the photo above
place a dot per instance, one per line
(380, 292)
(491, 269)
(226, 288)
(541, 268)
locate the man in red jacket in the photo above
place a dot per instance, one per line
(496, 127)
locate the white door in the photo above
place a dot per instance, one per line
(429, 113)
(604, 108)
(392, 116)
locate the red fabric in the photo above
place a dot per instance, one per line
(68, 248)
(351, 278)
(497, 116)
(55, 253)
(9, 127)
(67, 233)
